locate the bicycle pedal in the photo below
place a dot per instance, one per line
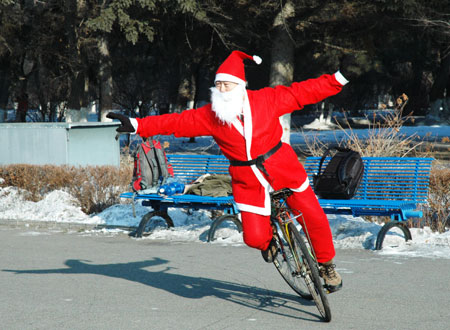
(276, 263)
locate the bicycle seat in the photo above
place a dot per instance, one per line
(282, 193)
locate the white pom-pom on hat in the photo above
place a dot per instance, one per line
(257, 59)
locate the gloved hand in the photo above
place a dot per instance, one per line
(350, 67)
(126, 126)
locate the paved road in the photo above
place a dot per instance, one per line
(67, 279)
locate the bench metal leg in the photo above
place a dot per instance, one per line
(141, 230)
(218, 221)
(388, 226)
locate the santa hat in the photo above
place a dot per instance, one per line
(232, 69)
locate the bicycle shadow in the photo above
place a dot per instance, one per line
(270, 301)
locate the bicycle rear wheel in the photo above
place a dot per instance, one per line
(287, 267)
(309, 272)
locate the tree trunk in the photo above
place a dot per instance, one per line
(4, 90)
(77, 103)
(53, 112)
(437, 92)
(330, 113)
(186, 88)
(105, 79)
(22, 103)
(282, 53)
(203, 82)
(418, 85)
(447, 102)
(42, 88)
(190, 105)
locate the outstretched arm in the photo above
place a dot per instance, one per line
(189, 123)
(312, 91)
(288, 99)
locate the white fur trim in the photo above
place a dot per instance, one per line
(257, 59)
(340, 78)
(248, 127)
(134, 122)
(303, 186)
(253, 209)
(238, 125)
(229, 77)
(248, 135)
(267, 189)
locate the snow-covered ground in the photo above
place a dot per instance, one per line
(348, 232)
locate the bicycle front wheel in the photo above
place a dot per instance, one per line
(287, 265)
(309, 271)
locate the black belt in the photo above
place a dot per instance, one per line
(258, 161)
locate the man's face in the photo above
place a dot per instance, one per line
(225, 86)
(227, 100)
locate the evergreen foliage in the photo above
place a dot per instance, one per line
(159, 52)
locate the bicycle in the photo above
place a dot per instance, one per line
(296, 261)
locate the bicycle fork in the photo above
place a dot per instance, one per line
(300, 269)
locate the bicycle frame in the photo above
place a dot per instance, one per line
(281, 212)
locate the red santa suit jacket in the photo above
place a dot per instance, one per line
(259, 132)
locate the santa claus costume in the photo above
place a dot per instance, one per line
(258, 132)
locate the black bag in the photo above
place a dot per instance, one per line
(341, 177)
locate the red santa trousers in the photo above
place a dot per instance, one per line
(257, 230)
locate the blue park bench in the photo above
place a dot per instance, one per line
(187, 168)
(391, 186)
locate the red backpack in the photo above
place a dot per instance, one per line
(151, 168)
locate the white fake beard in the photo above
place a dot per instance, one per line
(227, 105)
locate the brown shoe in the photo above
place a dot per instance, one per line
(333, 281)
(271, 252)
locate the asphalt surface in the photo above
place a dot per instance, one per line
(70, 278)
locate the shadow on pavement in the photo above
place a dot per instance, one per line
(189, 287)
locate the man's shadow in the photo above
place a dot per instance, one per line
(187, 286)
